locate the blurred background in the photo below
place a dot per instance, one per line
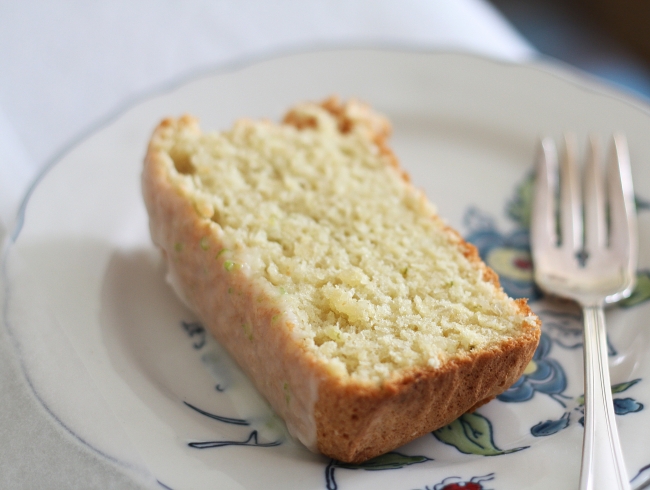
(609, 39)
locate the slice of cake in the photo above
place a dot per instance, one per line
(356, 311)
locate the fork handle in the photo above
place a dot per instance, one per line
(603, 466)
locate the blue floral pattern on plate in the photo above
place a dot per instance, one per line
(543, 375)
(509, 255)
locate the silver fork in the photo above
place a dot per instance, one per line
(593, 262)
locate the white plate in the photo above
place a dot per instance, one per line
(102, 338)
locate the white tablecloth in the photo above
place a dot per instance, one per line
(66, 66)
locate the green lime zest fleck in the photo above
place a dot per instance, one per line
(275, 318)
(178, 247)
(229, 290)
(204, 243)
(248, 331)
(405, 271)
(230, 265)
(282, 290)
(222, 251)
(287, 392)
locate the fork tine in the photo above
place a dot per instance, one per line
(543, 234)
(570, 208)
(623, 232)
(594, 198)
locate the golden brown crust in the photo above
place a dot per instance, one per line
(344, 419)
(355, 424)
